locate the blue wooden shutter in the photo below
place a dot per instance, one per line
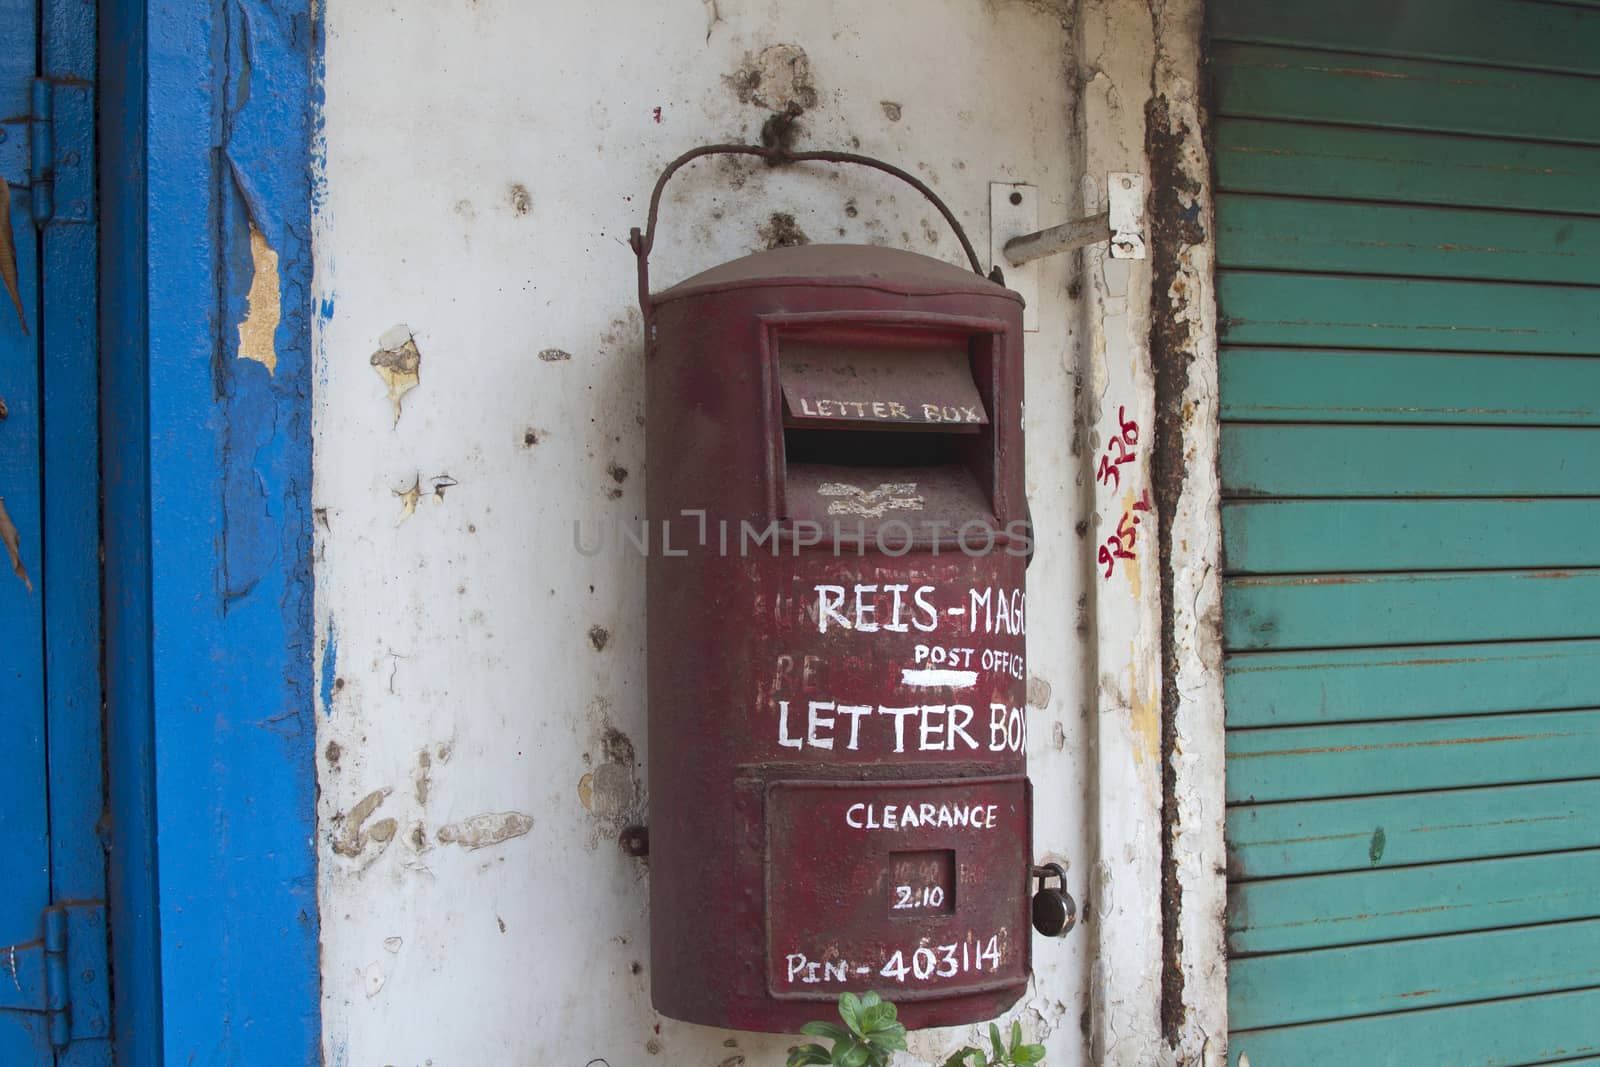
(54, 994)
(1408, 240)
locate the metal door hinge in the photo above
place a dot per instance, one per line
(60, 151)
(62, 976)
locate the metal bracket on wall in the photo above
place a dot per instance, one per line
(1015, 242)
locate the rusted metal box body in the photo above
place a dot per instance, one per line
(838, 785)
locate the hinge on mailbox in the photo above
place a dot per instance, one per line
(61, 977)
(60, 151)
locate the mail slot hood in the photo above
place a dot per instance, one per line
(831, 383)
(852, 266)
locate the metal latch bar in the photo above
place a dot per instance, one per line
(1122, 224)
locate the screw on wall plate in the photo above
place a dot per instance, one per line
(1016, 198)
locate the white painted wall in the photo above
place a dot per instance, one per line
(482, 727)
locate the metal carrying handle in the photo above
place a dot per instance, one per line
(643, 243)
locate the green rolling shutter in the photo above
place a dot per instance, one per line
(1408, 248)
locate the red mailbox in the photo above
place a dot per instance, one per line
(838, 784)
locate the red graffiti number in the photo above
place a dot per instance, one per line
(1120, 544)
(1127, 437)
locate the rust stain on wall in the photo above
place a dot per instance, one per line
(258, 331)
(1175, 229)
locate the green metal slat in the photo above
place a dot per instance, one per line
(1343, 311)
(1404, 167)
(1338, 461)
(1324, 910)
(1359, 759)
(1534, 36)
(1291, 385)
(1281, 233)
(1262, 82)
(1323, 836)
(1311, 536)
(1301, 688)
(1349, 611)
(1496, 1033)
(1337, 983)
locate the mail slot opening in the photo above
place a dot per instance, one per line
(892, 426)
(869, 448)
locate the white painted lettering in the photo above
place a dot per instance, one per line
(783, 728)
(815, 722)
(921, 598)
(894, 624)
(928, 735)
(830, 598)
(899, 724)
(960, 715)
(997, 727)
(865, 609)
(855, 711)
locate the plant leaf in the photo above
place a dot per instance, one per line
(1029, 1054)
(999, 1046)
(892, 1038)
(807, 1056)
(1016, 1034)
(963, 1058)
(832, 1031)
(851, 1056)
(850, 1011)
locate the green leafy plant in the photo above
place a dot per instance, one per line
(1018, 1055)
(870, 1035)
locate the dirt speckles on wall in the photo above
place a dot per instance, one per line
(774, 78)
(781, 231)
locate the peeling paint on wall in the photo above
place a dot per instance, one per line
(351, 832)
(13, 542)
(485, 829)
(399, 364)
(258, 332)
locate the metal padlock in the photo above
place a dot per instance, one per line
(1055, 913)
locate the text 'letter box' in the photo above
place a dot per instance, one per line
(838, 785)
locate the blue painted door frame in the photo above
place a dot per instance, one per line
(206, 127)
